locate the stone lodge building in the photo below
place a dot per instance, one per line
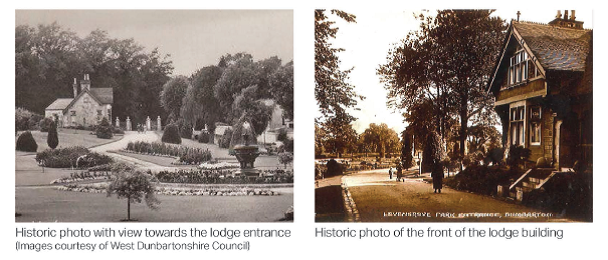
(88, 107)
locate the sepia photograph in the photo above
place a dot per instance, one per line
(454, 115)
(154, 115)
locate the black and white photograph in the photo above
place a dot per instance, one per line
(454, 115)
(154, 115)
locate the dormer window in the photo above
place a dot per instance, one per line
(518, 69)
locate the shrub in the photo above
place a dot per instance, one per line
(482, 179)
(26, 142)
(186, 154)
(52, 139)
(104, 129)
(203, 137)
(185, 130)
(518, 155)
(26, 120)
(171, 134)
(45, 124)
(68, 157)
(333, 168)
(93, 159)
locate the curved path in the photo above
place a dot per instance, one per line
(131, 136)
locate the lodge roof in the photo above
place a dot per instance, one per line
(60, 104)
(557, 48)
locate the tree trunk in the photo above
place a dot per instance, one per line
(463, 129)
(128, 208)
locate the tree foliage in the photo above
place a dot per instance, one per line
(236, 86)
(381, 139)
(104, 129)
(48, 57)
(172, 95)
(135, 187)
(438, 73)
(281, 88)
(333, 92)
(52, 139)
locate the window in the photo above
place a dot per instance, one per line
(518, 69)
(535, 125)
(535, 133)
(517, 126)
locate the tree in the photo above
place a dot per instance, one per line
(380, 138)
(48, 57)
(281, 86)
(104, 129)
(133, 186)
(172, 95)
(256, 111)
(442, 70)
(285, 158)
(52, 139)
(199, 106)
(332, 91)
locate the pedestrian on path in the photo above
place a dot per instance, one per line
(399, 172)
(437, 175)
(390, 173)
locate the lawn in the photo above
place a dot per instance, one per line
(44, 204)
(71, 137)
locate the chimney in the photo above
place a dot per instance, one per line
(75, 87)
(85, 84)
(566, 21)
(572, 16)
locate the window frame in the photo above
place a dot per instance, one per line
(518, 68)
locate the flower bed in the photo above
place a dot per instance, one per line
(178, 191)
(80, 176)
(77, 156)
(223, 177)
(187, 155)
(218, 166)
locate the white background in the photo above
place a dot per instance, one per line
(580, 239)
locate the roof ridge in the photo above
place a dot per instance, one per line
(552, 26)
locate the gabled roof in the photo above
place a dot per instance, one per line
(552, 48)
(60, 104)
(556, 48)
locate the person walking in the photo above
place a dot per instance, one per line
(399, 173)
(437, 175)
(390, 173)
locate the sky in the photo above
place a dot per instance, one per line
(193, 38)
(368, 41)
